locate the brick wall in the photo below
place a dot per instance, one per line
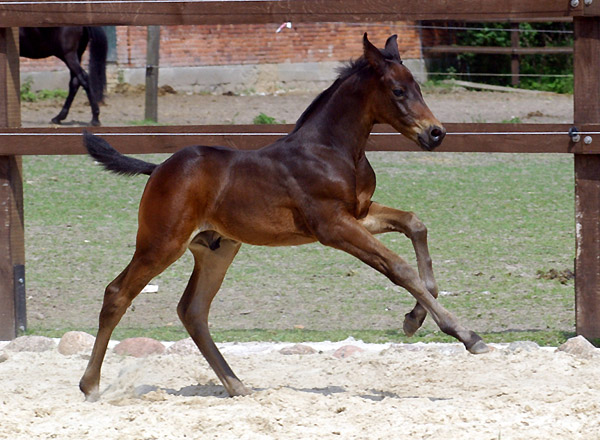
(213, 45)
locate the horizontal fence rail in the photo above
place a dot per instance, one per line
(496, 50)
(468, 137)
(14, 13)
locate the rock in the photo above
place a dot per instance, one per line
(347, 351)
(31, 343)
(139, 347)
(519, 346)
(184, 347)
(399, 347)
(75, 342)
(297, 349)
(3, 357)
(580, 347)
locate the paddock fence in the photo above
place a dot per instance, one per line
(581, 138)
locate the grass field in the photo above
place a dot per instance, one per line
(498, 223)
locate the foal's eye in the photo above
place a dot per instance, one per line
(399, 92)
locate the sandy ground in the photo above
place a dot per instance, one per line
(415, 391)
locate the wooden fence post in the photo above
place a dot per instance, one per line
(587, 178)
(152, 60)
(12, 248)
(515, 59)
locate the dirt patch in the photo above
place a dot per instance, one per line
(126, 104)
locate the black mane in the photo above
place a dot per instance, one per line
(344, 72)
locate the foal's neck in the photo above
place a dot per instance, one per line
(344, 120)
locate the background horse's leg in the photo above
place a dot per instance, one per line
(211, 261)
(347, 234)
(78, 78)
(382, 219)
(73, 87)
(118, 296)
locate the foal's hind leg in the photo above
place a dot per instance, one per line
(117, 298)
(382, 219)
(212, 257)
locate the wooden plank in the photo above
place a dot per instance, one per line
(515, 64)
(496, 50)
(467, 137)
(592, 9)
(491, 87)
(12, 249)
(587, 179)
(152, 60)
(143, 13)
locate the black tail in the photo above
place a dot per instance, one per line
(112, 160)
(97, 67)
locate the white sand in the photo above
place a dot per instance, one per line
(438, 391)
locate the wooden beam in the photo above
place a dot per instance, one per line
(152, 61)
(496, 50)
(140, 13)
(468, 137)
(12, 249)
(587, 179)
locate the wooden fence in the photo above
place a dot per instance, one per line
(517, 138)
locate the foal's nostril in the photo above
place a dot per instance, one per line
(437, 134)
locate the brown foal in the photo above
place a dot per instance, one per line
(315, 184)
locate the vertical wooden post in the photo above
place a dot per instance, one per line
(587, 178)
(514, 58)
(152, 59)
(12, 248)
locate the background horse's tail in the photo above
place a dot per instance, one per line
(112, 160)
(97, 68)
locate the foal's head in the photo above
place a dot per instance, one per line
(398, 100)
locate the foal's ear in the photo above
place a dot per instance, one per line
(373, 55)
(391, 47)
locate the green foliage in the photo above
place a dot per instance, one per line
(265, 119)
(530, 35)
(143, 122)
(28, 95)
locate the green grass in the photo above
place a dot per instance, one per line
(542, 338)
(495, 221)
(262, 118)
(29, 95)
(143, 122)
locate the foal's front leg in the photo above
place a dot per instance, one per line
(347, 234)
(382, 219)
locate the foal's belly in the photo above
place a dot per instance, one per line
(263, 227)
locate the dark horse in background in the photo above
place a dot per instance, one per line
(68, 44)
(315, 184)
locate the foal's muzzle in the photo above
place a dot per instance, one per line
(432, 137)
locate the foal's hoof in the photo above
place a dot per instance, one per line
(239, 389)
(92, 397)
(479, 347)
(411, 325)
